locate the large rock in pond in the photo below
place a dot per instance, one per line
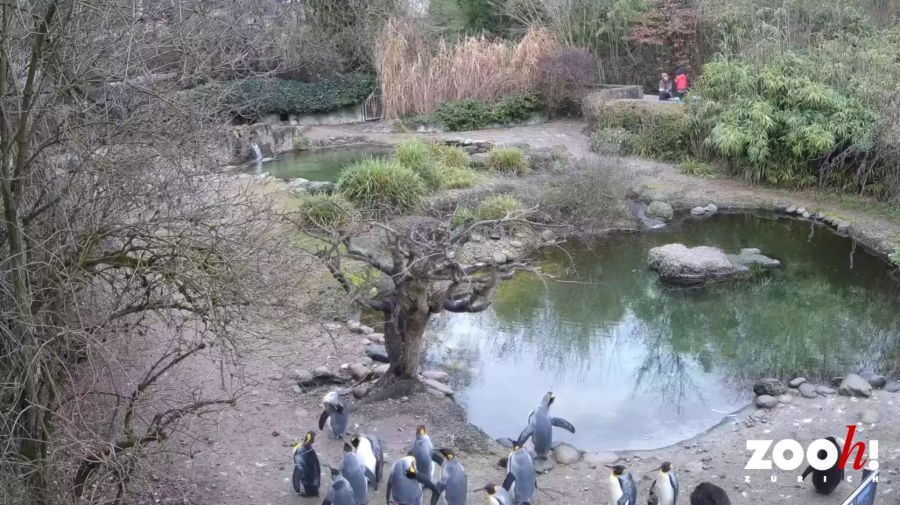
(660, 210)
(690, 266)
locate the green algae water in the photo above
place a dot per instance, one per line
(319, 164)
(637, 365)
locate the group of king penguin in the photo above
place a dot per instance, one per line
(361, 467)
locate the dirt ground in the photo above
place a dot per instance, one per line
(243, 455)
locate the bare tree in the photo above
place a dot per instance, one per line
(420, 261)
(123, 258)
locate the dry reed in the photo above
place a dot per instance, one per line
(417, 76)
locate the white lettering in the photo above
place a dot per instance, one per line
(831, 454)
(783, 447)
(758, 450)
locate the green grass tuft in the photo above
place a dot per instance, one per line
(508, 160)
(383, 186)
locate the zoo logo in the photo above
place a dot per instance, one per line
(759, 449)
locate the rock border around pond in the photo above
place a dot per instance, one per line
(840, 225)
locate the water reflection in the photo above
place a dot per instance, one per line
(635, 365)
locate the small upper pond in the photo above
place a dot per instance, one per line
(637, 366)
(318, 164)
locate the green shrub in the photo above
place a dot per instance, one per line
(516, 108)
(508, 159)
(325, 212)
(381, 185)
(450, 156)
(462, 216)
(658, 131)
(497, 207)
(255, 97)
(773, 122)
(613, 142)
(477, 115)
(417, 156)
(697, 168)
(455, 178)
(464, 115)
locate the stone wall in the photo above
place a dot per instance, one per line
(346, 115)
(271, 139)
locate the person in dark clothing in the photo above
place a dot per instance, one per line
(665, 87)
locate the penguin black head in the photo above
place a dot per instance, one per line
(334, 472)
(355, 441)
(665, 467)
(421, 430)
(309, 438)
(348, 447)
(492, 488)
(516, 446)
(550, 397)
(448, 454)
(617, 469)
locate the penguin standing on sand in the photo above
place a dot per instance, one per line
(454, 483)
(423, 451)
(369, 451)
(306, 478)
(340, 492)
(709, 494)
(404, 485)
(540, 427)
(497, 495)
(664, 490)
(622, 490)
(825, 481)
(521, 479)
(336, 415)
(356, 474)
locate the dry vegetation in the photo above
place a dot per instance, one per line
(417, 76)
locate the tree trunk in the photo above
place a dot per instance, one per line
(404, 329)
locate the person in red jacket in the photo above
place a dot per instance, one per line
(681, 83)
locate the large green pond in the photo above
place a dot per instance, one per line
(635, 365)
(318, 164)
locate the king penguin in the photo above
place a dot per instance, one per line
(709, 494)
(423, 451)
(497, 495)
(454, 482)
(521, 479)
(335, 413)
(368, 448)
(664, 490)
(356, 474)
(404, 484)
(306, 478)
(340, 492)
(540, 427)
(622, 490)
(825, 481)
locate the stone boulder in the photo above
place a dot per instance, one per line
(796, 383)
(854, 385)
(892, 387)
(876, 380)
(680, 265)
(808, 390)
(766, 402)
(660, 210)
(769, 386)
(378, 353)
(565, 454)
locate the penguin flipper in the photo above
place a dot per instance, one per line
(525, 435)
(808, 471)
(390, 484)
(435, 496)
(508, 481)
(437, 458)
(322, 418)
(673, 479)
(562, 423)
(425, 481)
(369, 475)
